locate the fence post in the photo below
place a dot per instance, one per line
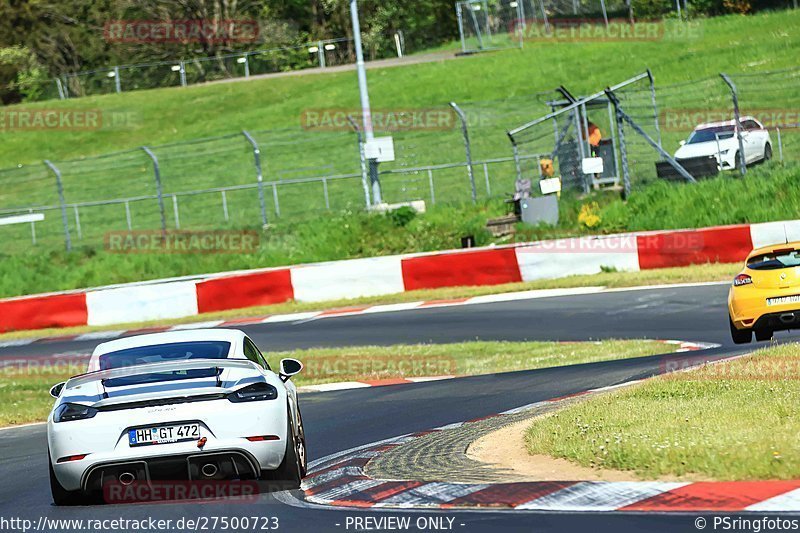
(159, 192)
(460, 18)
(259, 176)
(62, 203)
(780, 144)
(626, 176)
(735, 97)
(183, 73)
(465, 132)
(517, 164)
(655, 105)
(117, 81)
(321, 54)
(60, 88)
(363, 158)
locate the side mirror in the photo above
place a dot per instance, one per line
(682, 142)
(55, 390)
(289, 367)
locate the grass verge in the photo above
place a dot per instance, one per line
(24, 391)
(690, 274)
(734, 420)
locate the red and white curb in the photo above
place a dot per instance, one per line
(335, 313)
(340, 480)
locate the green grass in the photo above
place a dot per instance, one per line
(24, 395)
(730, 421)
(691, 274)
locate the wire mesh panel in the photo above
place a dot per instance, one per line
(773, 98)
(492, 24)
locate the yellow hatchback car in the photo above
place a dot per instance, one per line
(765, 296)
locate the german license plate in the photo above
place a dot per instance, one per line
(783, 300)
(163, 434)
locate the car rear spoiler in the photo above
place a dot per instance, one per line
(154, 368)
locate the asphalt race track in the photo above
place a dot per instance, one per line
(337, 421)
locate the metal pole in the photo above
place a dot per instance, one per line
(678, 5)
(517, 165)
(780, 145)
(259, 176)
(461, 27)
(321, 54)
(77, 221)
(246, 66)
(735, 96)
(117, 81)
(622, 115)
(175, 211)
(486, 16)
(275, 199)
(614, 140)
(363, 159)
(430, 182)
(626, 176)
(183, 73)
(465, 132)
(128, 215)
(62, 202)
(477, 25)
(159, 192)
(364, 93)
(60, 88)
(486, 177)
(655, 105)
(225, 205)
(325, 193)
(33, 230)
(605, 13)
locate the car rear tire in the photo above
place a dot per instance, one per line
(740, 336)
(290, 472)
(763, 334)
(767, 152)
(62, 496)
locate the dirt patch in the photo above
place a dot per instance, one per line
(504, 450)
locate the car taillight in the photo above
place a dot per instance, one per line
(742, 279)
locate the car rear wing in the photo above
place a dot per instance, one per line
(155, 368)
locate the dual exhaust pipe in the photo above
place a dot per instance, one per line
(208, 470)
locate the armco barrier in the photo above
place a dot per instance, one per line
(385, 275)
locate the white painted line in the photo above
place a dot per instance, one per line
(197, 325)
(428, 378)
(22, 426)
(668, 286)
(17, 342)
(100, 335)
(291, 317)
(327, 387)
(389, 308)
(533, 295)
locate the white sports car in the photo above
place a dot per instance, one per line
(719, 139)
(184, 405)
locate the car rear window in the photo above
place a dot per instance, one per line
(710, 134)
(159, 353)
(775, 260)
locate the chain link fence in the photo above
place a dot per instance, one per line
(462, 154)
(184, 72)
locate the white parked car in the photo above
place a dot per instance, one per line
(184, 405)
(719, 139)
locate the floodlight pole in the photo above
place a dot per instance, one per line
(365, 108)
